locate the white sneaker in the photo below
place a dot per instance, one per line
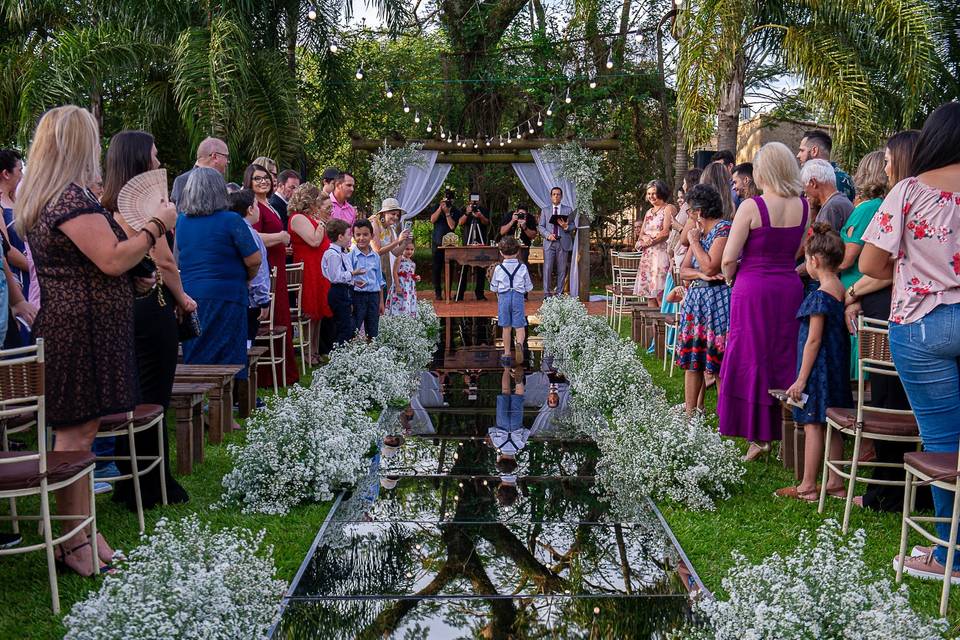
(102, 487)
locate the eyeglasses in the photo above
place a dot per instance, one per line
(261, 179)
(226, 156)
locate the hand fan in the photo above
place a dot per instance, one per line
(142, 196)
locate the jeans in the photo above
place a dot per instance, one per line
(926, 355)
(366, 312)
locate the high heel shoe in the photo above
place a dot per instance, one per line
(82, 566)
(757, 450)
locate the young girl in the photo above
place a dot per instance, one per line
(824, 353)
(402, 299)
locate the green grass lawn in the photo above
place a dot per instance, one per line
(26, 612)
(758, 525)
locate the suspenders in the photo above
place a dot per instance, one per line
(510, 275)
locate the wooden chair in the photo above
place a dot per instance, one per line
(144, 417)
(872, 423)
(41, 472)
(299, 323)
(273, 337)
(941, 470)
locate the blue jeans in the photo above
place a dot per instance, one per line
(926, 355)
(366, 312)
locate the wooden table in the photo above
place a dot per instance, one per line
(475, 255)
(221, 396)
(187, 404)
(247, 392)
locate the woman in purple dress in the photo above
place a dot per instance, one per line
(760, 256)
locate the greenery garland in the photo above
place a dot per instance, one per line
(581, 167)
(389, 165)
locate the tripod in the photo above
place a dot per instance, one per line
(474, 236)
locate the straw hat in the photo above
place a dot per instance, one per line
(391, 204)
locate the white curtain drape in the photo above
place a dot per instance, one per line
(538, 179)
(421, 184)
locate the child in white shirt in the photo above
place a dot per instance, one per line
(511, 280)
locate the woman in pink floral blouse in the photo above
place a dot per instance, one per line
(914, 239)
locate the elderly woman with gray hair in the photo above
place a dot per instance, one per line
(217, 256)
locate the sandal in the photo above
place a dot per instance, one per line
(60, 559)
(107, 555)
(796, 494)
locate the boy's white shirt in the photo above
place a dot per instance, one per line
(500, 282)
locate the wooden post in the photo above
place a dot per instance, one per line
(583, 266)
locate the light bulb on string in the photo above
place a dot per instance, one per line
(593, 82)
(488, 142)
(610, 59)
(312, 14)
(360, 72)
(387, 87)
(501, 139)
(550, 108)
(638, 35)
(406, 107)
(430, 125)
(539, 120)
(509, 141)
(566, 98)
(334, 48)
(416, 117)
(530, 129)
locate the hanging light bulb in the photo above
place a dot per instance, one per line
(430, 125)
(539, 120)
(501, 139)
(593, 82)
(387, 87)
(509, 141)
(638, 35)
(416, 117)
(334, 48)
(550, 108)
(312, 14)
(360, 72)
(406, 107)
(566, 98)
(488, 142)
(610, 59)
(531, 127)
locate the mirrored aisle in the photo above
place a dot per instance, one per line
(479, 519)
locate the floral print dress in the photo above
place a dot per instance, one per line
(402, 298)
(655, 261)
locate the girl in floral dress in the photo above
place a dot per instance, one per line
(705, 317)
(402, 298)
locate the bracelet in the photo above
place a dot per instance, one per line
(151, 237)
(162, 228)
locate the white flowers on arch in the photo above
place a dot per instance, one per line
(388, 168)
(581, 167)
(647, 446)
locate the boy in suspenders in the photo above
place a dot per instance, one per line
(510, 282)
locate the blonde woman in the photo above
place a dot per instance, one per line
(759, 260)
(387, 241)
(309, 213)
(83, 259)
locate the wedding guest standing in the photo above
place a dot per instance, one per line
(156, 336)
(82, 257)
(388, 241)
(287, 182)
(257, 178)
(309, 213)
(759, 259)
(556, 228)
(655, 261)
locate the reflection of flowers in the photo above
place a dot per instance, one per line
(822, 590)
(185, 581)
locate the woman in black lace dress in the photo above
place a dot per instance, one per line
(155, 321)
(82, 258)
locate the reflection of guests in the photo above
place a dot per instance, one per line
(444, 221)
(475, 223)
(655, 261)
(555, 227)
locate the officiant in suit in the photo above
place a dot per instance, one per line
(557, 229)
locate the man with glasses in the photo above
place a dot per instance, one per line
(213, 154)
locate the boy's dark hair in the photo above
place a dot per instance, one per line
(819, 138)
(506, 464)
(824, 242)
(724, 155)
(336, 228)
(363, 224)
(509, 246)
(8, 159)
(240, 202)
(507, 495)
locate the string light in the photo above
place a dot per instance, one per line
(406, 107)
(610, 59)
(334, 48)
(531, 127)
(539, 120)
(387, 87)
(509, 141)
(430, 125)
(501, 139)
(311, 15)
(566, 98)
(416, 117)
(593, 82)
(550, 108)
(360, 72)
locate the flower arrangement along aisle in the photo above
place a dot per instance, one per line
(315, 440)
(822, 590)
(647, 446)
(184, 582)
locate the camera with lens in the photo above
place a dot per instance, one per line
(448, 197)
(520, 214)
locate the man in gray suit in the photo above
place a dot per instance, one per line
(556, 228)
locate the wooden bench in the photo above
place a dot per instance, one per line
(187, 404)
(220, 414)
(247, 391)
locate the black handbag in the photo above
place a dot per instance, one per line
(189, 327)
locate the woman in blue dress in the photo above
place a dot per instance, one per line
(706, 307)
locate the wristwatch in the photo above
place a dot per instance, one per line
(851, 293)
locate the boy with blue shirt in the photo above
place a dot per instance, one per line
(368, 287)
(511, 280)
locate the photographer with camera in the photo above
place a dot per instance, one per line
(475, 223)
(444, 221)
(522, 225)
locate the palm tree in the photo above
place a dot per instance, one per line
(852, 57)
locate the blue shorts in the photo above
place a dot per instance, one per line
(510, 311)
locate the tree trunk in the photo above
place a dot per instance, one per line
(621, 46)
(681, 160)
(666, 134)
(96, 105)
(731, 98)
(583, 268)
(291, 30)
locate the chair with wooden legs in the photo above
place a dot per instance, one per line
(941, 470)
(144, 417)
(40, 473)
(273, 337)
(299, 323)
(866, 422)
